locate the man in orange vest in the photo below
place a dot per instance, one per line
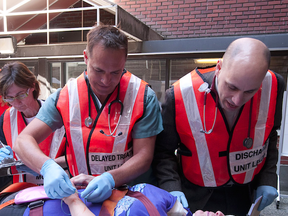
(111, 119)
(222, 122)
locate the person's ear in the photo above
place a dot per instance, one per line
(218, 67)
(85, 56)
(32, 88)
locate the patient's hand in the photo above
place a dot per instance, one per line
(82, 180)
(79, 181)
(76, 206)
(207, 213)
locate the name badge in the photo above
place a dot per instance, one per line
(243, 161)
(103, 162)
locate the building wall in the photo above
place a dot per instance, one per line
(209, 18)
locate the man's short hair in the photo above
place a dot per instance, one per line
(109, 36)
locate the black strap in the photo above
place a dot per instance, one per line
(183, 150)
(36, 208)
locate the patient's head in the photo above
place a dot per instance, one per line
(207, 213)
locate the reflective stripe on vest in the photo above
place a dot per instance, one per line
(76, 129)
(14, 125)
(56, 142)
(261, 129)
(129, 101)
(195, 123)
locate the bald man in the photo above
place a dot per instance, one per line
(222, 122)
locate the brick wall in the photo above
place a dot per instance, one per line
(202, 18)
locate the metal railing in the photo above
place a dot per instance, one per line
(9, 12)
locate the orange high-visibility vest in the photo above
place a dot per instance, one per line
(88, 151)
(13, 124)
(206, 167)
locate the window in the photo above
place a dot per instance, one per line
(152, 71)
(74, 69)
(56, 75)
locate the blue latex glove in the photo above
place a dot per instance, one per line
(6, 152)
(26, 169)
(180, 197)
(268, 194)
(56, 181)
(99, 189)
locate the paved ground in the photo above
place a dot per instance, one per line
(273, 211)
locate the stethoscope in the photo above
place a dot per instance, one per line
(204, 87)
(89, 121)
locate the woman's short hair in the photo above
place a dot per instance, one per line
(18, 73)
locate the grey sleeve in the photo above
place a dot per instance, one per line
(267, 175)
(165, 163)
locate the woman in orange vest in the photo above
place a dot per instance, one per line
(20, 88)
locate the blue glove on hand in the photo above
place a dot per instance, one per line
(26, 169)
(56, 181)
(99, 189)
(6, 152)
(268, 194)
(180, 197)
